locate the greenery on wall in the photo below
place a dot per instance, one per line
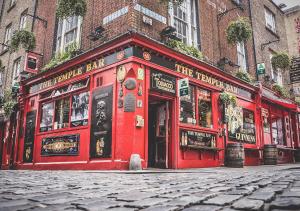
(185, 49)
(280, 91)
(176, 2)
(69, 8)
(8, 102)
(23, 38)
(243, 76)
(62, 57)
(280, 60)
(239, 31)
(227, 99)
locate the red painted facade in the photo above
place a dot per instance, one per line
(134, 100)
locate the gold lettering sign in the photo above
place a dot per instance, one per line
(205, 78)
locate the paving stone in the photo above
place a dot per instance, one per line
(248, 204)
(203, 208)
(291, 194)
(100, 205)
(146, 202)
(220, 189)
(14, 203)
(286, 203)
(134, 196)
(243, 192)
(161, 208)
(264, 196)
(222, 200)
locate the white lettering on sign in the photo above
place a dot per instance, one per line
(115, 15)
(150, 13)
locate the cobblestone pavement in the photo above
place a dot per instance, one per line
(250, 188)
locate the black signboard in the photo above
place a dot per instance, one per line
(60, 145)
(101, 133)
(201, 139)
(29, 137)
(163, 82)
(295, 70)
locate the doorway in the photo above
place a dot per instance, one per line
(159, 133)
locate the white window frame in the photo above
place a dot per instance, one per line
(189, 7)
(1, 78)
(241, 56)
(61, 46)
(7, 37)
(270, 20)
(16, 70)
(12, 2)
(23, 20)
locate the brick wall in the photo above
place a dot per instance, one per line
(264, 35)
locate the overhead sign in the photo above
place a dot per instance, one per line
(295, 70)
(163, 82)
(31, 63)
(183, 87)
(261, 69)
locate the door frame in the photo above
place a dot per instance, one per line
(171, 148)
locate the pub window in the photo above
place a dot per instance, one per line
(204, 108)
(188, 107)
(47, 117)
(62, 110)
(79, 84)
(80, 109)
(277, 131)
(61, 91)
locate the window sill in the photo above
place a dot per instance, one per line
(63, 130)
(205, 148)
(272, 32)
(197, 128)
(3, 52)
(11, 7)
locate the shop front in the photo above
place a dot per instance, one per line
(123, 98)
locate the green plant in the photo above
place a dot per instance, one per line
(280, 60)
(243, 76)
(239, 31)
(280, 90)
(62, 57)
(9, 103)
(175, 2)
(183, 48)
(227, 99)
(69, 8)
(24, 38)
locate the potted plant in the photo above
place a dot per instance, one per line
(280, 60)
(239, 31)
(185, 49)
(243, 76)
(24, 38)
(69, 8)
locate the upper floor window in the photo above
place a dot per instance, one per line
(1, 79)
(184, 19)
(16, 70)
(12, 3)
(23, 20)
(7, 37)
(241, 54)
(270, 20)
(68, 32)
(276, 75)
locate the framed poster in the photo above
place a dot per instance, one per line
(101, 125)
(80, 109)
(29, 137)
(47, 117)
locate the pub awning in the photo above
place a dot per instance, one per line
(270, 96)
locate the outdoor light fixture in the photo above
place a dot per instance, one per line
(96, 34)
(38, 18)
(169, 32)
(220, 15)
(221, 63)
(268, 43)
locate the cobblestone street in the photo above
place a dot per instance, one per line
(250, 188)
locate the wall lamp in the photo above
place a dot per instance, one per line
(262, 46)
(96, 34)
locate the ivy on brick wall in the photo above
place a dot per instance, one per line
(8, 103)
(281, 91)
(243, 76)
(69, 8)
(175, 2)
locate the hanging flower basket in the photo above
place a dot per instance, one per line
(24, 38)
(227, 99)
(244, 76)
(280, 60)
(239, 31)
(69, 8)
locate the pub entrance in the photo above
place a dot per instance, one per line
(159, 133)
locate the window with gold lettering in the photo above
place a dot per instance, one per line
(204, 108)
(47, 117)
(188, 107)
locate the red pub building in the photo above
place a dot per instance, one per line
(122, 98)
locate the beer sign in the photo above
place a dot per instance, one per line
(163, 82)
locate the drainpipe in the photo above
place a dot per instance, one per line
(254, 50)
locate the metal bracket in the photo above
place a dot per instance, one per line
(220, 15)
(38, 18)
(262, 46)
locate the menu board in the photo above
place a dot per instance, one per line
(241, 126)
(80, 109)
(29, 137)
(101, 133)
(194, 138)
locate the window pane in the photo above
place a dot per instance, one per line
(62, 110)
(187, 107)
(204, 108)
(47, 117)
(80, 109)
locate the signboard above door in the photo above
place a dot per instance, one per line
(162, 82)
